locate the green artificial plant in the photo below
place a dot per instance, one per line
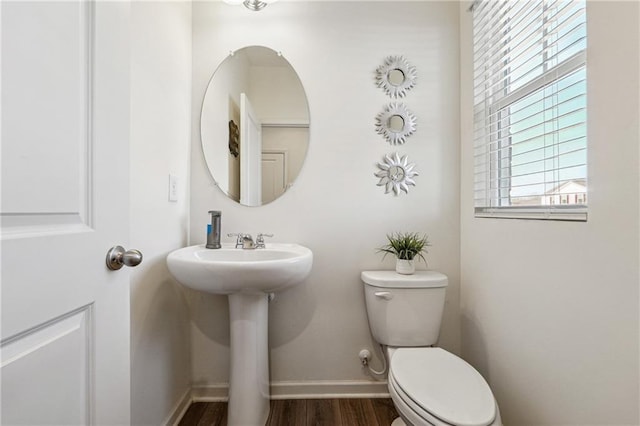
(406, 245)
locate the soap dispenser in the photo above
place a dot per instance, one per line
(213, 230)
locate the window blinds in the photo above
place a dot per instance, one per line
(530, 139)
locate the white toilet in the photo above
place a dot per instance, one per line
(428, 385)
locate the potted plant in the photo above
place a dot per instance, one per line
(406, 246)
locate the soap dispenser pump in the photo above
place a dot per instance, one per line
(213, 230)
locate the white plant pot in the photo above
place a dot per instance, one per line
(405, 267)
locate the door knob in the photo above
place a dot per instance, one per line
(117, 257)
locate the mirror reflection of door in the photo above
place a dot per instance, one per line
(274, 175)
(250, 154)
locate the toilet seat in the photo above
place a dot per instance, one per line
(440, 388)
(410, 412)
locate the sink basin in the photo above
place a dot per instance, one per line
(229, 270)
(245, 276)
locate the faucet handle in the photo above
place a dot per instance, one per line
(260, 240)
(239, 237)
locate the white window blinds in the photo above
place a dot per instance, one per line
(530, 133)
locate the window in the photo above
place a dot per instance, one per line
(530, 109)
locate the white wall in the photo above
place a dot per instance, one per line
(335, 207)
(160, 134)
(549, 310)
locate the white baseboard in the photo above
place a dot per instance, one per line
(210, 393)
(321, 389)
(179, 409)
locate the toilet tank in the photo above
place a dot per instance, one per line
(404, 310)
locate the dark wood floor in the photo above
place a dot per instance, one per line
(303, 412)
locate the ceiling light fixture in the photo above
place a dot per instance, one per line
(254, 5)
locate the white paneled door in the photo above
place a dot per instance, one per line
(250, 154)
(274, 175)
(65, 202)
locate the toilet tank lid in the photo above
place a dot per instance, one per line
(420, 279)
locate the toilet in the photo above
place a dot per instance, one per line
(428, 385)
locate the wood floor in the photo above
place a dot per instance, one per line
(302, 412)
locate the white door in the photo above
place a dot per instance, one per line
(65, 199)
(250, 154)
(274, 175)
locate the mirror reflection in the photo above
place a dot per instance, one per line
(396, 173)
(396, 77)
(254, 126)
(396, 123)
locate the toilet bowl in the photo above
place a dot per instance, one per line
(428, 385)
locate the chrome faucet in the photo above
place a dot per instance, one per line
(260, 240)
(239, 238)
(247, 242)
(243, 241)
(213, 231)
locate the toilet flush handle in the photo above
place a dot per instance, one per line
(386, 295)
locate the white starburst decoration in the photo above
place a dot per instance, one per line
(396, 174)
(396, 76)
(396, 123)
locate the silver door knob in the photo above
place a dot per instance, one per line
(118, 257)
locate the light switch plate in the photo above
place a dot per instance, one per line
(173, 188)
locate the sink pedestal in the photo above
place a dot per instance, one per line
(246, 277)
(249, 374)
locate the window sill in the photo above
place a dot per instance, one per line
(571, 214)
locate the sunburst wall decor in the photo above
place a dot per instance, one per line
(396, 174)
(396, 76)
(396, 123)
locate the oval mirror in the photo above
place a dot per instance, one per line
(254, 125)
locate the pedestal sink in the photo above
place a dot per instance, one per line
(246, 276)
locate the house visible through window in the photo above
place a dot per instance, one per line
(530, 109)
